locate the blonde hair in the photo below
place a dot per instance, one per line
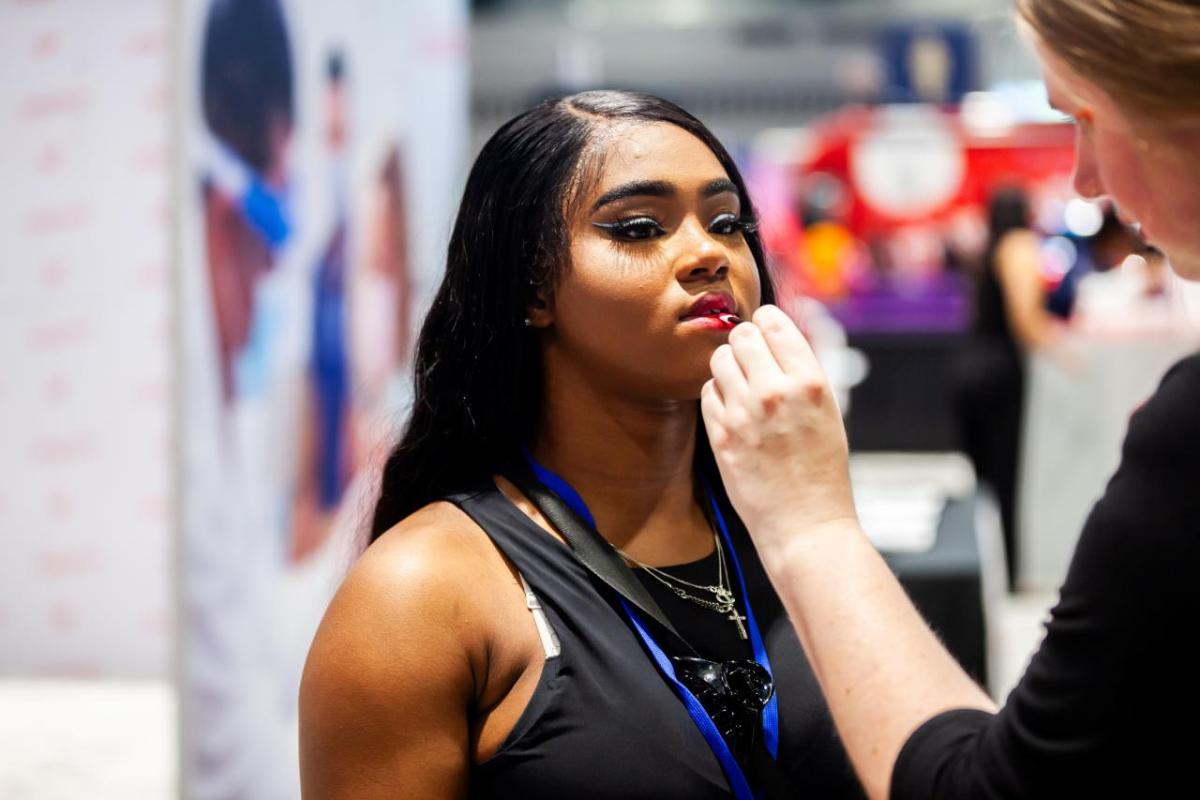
(1144, 54)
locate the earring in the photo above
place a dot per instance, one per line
(528, 322)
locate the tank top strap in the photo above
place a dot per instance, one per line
(563, 585)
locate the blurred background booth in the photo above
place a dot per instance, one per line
(221, 222)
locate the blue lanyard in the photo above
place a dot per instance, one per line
(703, 722)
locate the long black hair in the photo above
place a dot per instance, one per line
(478, 381)
(1008, 210)
(247, 82)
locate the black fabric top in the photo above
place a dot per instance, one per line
(1108, 705)
(713, 635)
(603, 723)
(991, 317)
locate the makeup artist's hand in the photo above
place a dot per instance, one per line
(777, 433)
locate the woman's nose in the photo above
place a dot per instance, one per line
(701, 257)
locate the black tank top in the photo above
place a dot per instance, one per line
(602, 722)
(991, 317)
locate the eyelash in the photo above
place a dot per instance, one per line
(642, 229)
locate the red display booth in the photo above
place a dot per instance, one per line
(886, 211)
(881, 215)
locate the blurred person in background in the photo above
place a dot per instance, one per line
(327, 456)
(381, 292)
(249, 106)
(826, 257)
(604, 243)
(1105, 705)
(1103, 251)
(1010, 321)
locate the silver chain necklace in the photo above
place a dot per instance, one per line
(724, 602)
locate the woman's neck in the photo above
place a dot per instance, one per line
(631, 461)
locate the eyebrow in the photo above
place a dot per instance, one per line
(634, 189)
(719, 186)
(659, 189)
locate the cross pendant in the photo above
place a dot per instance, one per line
(737, 619)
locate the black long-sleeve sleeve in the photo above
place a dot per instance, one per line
(1110, 702)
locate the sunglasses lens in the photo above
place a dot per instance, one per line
(751, 684)
(733, 693)
(700, 675)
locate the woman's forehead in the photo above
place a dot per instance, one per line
(1070, 92)
(656, 151)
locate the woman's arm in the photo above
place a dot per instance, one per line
(1018, 268)
(781, 447)
(392, 673)
(881, 669)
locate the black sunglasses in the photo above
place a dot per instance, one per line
(734, 693)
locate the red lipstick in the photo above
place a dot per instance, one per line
(714, 310)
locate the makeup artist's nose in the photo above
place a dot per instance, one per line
(1086, 179)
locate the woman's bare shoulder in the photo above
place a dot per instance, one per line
(413, 576)
(437, 532)
(414, 603)
(405, 637)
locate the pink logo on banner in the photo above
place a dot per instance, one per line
(49, 160)
(60, 505)
(46, 44)
(151, 159)
(64, 617)
(60, 335)
(146, 43)
(55, 103)
(63, 563)
(54, 451)
(53, 274)
(68, 218)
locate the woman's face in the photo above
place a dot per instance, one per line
(1151, 172)
(657, 250)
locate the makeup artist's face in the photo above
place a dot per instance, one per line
(1150, 171)
(657, 252)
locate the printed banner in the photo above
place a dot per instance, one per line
(306, 178)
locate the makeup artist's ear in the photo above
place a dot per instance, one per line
(540, 311)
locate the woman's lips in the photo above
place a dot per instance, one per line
(714, 310)
(719, 322)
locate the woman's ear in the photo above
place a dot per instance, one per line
(540, 312)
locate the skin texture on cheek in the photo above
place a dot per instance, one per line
(1157, 185)
(613, 319)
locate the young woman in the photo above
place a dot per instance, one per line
(1108, 703)
(1010, 321)
(604, 247)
